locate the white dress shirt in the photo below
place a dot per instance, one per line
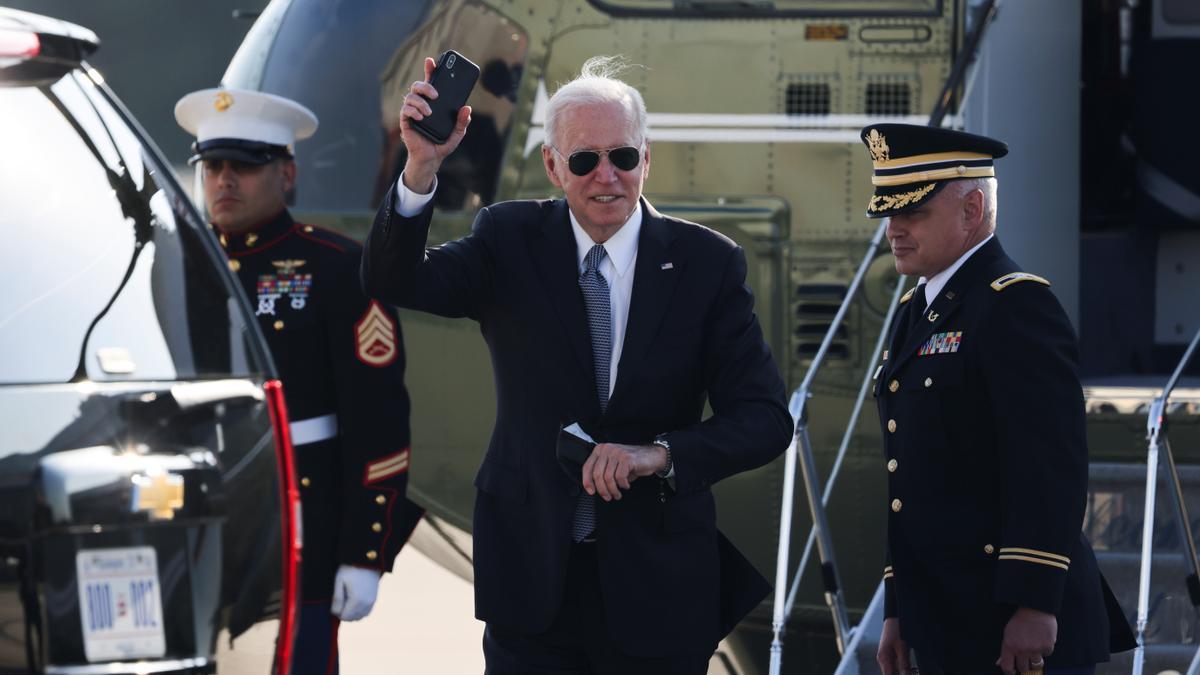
(935, 283)
(617, 267)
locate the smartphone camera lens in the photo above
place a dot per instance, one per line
(450, 61)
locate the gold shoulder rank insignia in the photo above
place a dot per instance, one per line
(908, 296)
(1016, 277)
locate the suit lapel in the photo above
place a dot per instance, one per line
(556, 259)
(653, 287)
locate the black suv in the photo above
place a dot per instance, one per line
(147, 498)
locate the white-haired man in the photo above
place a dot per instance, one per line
(601, 312)
(983, 434)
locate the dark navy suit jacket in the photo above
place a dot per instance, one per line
(671, 582)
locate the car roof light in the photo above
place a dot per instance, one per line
(19, 44)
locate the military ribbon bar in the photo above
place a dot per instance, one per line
(941, 343)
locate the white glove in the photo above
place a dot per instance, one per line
(354, 591)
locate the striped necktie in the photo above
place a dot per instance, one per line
(599, 312)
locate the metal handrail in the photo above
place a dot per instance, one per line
(868, 378)
(1156, 428)
(798, 408)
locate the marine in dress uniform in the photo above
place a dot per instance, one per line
(983, 434)
(339, 354)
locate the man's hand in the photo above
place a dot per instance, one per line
(424, 156)
(1028, 638)
(354, 591)
(612, 467)
(893, 650)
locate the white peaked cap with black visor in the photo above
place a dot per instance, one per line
(243, 125)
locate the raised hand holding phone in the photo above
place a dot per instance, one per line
(425, 156)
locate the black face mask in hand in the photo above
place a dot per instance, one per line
(573, 448)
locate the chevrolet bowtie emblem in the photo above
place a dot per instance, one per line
(157, 492)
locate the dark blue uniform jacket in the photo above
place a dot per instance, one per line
(983, 427)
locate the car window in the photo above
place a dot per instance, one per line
(101, 264)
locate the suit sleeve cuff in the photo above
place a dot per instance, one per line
(409, 203)
(1031, 578)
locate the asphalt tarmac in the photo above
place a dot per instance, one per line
(423, 622)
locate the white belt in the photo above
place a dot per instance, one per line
(314, 429)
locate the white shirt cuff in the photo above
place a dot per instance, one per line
(409, 203)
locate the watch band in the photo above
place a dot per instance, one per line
(663, 443)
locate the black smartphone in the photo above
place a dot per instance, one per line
(454, 77)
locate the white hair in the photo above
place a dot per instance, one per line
(986, 185)
(597, 84)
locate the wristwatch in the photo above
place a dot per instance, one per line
(661, 441)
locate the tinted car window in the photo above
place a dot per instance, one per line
(352, 63)
(102, 264)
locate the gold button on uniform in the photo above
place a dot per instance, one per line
(897, 505)
(988, 549)
(371, 555)
(892, 426)
(251, 239)
(893, 386)
(929, 382)
(376, 527)
(279, 325)
(305, 481)
(892, 466)
(380, 499)
(235, 265)
(224, 241)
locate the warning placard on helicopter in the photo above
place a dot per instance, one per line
(120, 607)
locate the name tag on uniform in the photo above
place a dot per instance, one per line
(941, 343)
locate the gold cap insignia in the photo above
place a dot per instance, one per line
(224, 101)
(878, 146)
(287, 266)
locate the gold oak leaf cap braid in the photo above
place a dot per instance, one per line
(912, 163)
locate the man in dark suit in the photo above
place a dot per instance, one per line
(983, 427)
(601, 312)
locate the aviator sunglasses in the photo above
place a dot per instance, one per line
(582, 163)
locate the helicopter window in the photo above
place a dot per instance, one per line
(888, 98)
(816, 8)
(111, 269)
(468, 177)
(807, 98)
(352, 64)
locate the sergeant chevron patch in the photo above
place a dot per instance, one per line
(375, 335)
(386, 467)
(941, 343)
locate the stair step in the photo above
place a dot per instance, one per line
(1116, 505)
(1159, 659)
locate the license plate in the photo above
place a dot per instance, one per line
(120, 606)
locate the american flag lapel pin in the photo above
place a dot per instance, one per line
(667, 266)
